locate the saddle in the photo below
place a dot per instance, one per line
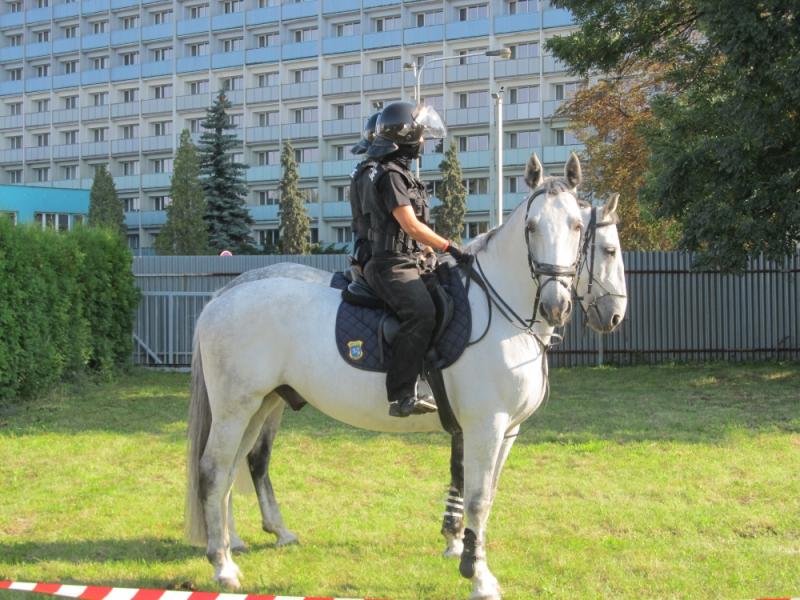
(366, 328)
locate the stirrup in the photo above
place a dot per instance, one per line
(411, 405)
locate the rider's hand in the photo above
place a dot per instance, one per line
(455, 251)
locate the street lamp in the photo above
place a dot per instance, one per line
(498, 96)
(499, 53)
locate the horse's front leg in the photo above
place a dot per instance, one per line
(482, 449)
(453, 520)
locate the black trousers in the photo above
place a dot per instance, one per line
(397, 280)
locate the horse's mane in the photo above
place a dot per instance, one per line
(551, 185)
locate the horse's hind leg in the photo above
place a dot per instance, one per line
(453, 520)
(258, 462)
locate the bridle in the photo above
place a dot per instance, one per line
(587, 254)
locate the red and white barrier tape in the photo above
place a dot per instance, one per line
(91, 592)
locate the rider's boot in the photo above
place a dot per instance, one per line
(412, 404)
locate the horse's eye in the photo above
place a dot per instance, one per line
(531, 226)
(610, 250)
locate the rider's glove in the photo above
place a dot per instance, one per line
(455, 251)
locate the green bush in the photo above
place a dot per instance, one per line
(67, 303)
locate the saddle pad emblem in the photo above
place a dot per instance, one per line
(355, 349)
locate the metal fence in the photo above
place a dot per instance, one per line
(674, 313)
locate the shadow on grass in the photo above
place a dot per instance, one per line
(687, 403)
(102, 551)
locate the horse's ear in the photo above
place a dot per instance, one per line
(534, 172)
(611, 206)
(572, 170)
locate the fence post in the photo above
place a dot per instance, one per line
(599, 349)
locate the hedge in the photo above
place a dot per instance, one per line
(67, 304)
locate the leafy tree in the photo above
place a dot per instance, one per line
(227, 217)
(295, 224)
(725, 138)
(449, 215)
(185, 232)
(609, 117)
(105, 207)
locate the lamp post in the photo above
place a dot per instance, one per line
(498, 96)
(500, 53)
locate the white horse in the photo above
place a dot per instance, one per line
(254, 345)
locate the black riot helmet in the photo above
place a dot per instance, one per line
(367, 136)
(405, 124)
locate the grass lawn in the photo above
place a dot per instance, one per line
(638, 482)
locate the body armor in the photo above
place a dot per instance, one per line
(359, 184)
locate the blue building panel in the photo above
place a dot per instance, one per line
(229, 21)
(299, 10)
(263, 55)
(37, 15)
(11, 87)
(227, 59)
(157, 32)
(465, 29)
(267, 212)
(11, 20)
(125, 72)
(261, 16)
(96, 76)
(63, 11)
(383, 39)
(38, 49)
(338, 6)
(153, 69)
(264, 173)
(37, 85)
(96, 40)
(421, 35)
(335, 45)
(66, 81)
(10, 53)
(66, 45)
(300, 50)
(124, 36)
(374, 3)
(123, 3)
(190, 26)
(26, 201)
(558, 17)
(512, 23)
(193, 63)
(89, 7)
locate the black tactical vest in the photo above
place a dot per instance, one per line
(358, 183)
(385, 233)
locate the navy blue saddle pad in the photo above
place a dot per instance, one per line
(359, 338)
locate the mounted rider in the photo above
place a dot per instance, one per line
(358, 180)
(397, 206)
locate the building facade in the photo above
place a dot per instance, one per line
(115, 81)
(59, 208)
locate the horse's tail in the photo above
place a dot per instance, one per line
(199, 427)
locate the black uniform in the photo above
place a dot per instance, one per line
(359, 184)
(394, 271)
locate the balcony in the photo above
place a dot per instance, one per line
(431, 76)
(11, 156)
(553, 65)
(156, 105)
(512, 23)
(299, 10)
(37, 119)
(229, 21)
(227, 59)
(66, 115)
(124, 36)
(11, 122)
(95, 76)
(521, 112)
(383, 39)
(66, 151)
(10, 53)
(64, 45)
(264, 94)
(190, 26)
(558, 17)
(126, 182)
(260, 16)
(469, 72)
(96, 40)
(155, 143)
(38, 15)
(64, 11)
(560, 154)
(157, 180)
(193, 102)
(125, 146)
(336, 210)
(517, 156)
(299, 50)
(336, 45)
(37, 153)
(307, 89)
(516, 67)
(93, 113)
(376, 3)
(37, 84)
(124, 72)
(123, 3)
(11, 20)
(308, 171)
(157, 32)
(383, 81)
(125, 109)
(271, 133)
(268, 212)
(296, 131)
(338, 6)
(93, 6)
(235, 97)
(262, 55)
(341, 127)
(37, 49)
(430, 162)
(337, 168)
(156, 68)
(264, 173)
(422, 35)
(464, 29)
(145, 218)
(187, 64)
(342, 85)
(550, 107)
(10, 87)
(478, 115)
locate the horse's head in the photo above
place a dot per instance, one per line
(601, 278)
(553, 233)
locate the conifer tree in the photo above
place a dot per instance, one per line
(185, 231)
(449, 216)
(105, 207)
(294, 226)
(226, 217)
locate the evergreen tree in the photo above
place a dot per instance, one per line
(294, 227)
(449, 216)
(105, 207)
(185, 231)
(227, 217)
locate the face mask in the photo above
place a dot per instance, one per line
(409, 151)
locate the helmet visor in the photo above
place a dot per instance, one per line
(428, 119)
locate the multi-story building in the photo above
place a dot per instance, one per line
(115, 81)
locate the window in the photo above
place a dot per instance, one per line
(198, 12)
(348, 70)
(70, 102)
(477, 185)
(130, 95)
(520, 7)
(162, 54)
(523, 95)
(15, 74)
(42, 140)
(15, 40)
(130, 58)
(347, 29)
(42, 70)
(304, 155)
(473, 143)
(341, 193)
(198, 49)
(130, 22)
(15, 7)
(71, 31)
(341, 152)
(161, 91)
(130, 205)
(130, 132)
(198, 87)
(133, 240)
(478, 55)
(390, 23)
(310, 194)
(14, 108)
(268, 157)
(347, 111)
(306, 34)
(194, 125)
(129, 167)
(99, 27)
(161, 165)
(527, 50)
(42, 36)
(232, 45)
(428, 18)
(99, 134)
(161, 202)
(232, 6)
(15, 176)
(473, 99)
(70, 66)
(474, 228)
(265, 40)
(42, 105)
(472, 13)
(565, 137)
(524, 139)
(268, 238)
(267, 79)
(41, 173)
(343, 235)
(268, 197)
(387, 65)
(99, 62)
(162, 17)
(564, 91)
(433, 146)
(304, 75)
(233, 83)
(42, 3)
(70, 137)
(267, 118)
(516, 184)
(162, 128)
(57, 221)
(305, 115)
(12, 216)
(436, 102)
(99, 99)
(15, 142)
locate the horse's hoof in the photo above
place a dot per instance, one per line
(240, 549)
(287, 540)
(230, 584)
(454, 550)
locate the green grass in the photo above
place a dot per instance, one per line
(639, 482)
